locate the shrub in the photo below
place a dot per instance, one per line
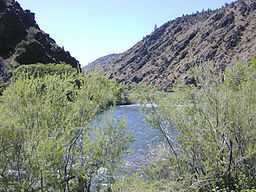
(135, 184)
(3, 86)
(253, 61)
(46, 142)
(216, 121)
(40, 70)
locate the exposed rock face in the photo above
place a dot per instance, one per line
(23, 42)
(221, 36)
(104, 63)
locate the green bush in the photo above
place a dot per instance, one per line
(253, 61)
(46, 143)
(3, 86)
(136, 184)
(40, 70)
(216, 121)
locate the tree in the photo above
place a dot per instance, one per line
(155, 27)
(46, 143)
(216, 121)
(40, 70)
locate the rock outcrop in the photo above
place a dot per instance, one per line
(23, 42)
(222, 36)
(104, 63)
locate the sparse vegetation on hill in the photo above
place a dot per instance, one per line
(222, 36)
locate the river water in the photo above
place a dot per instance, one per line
(147, 144)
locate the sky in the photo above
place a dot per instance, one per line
(90, 29)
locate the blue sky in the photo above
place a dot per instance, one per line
(93, 28)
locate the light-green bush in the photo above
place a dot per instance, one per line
(40, 70)
(46, 143)
(216, 120)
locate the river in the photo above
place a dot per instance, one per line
(147, 144)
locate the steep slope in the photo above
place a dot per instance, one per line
(104, 62)
(23, 42)
(221, 36)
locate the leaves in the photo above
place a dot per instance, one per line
(44, 131)
(216, 121)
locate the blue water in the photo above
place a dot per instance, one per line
(146, 140)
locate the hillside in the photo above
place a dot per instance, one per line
(221, 36)
(23, 42)
(104, 62)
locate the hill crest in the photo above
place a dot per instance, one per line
(222, 36)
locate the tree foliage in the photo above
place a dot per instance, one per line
(40, 70)
(46, 142)
(216, 120)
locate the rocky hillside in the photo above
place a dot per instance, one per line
(221, 36)
(23, 42)
(104, 63)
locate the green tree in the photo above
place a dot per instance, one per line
(216, 120)
(45, 134)
(40, 70)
